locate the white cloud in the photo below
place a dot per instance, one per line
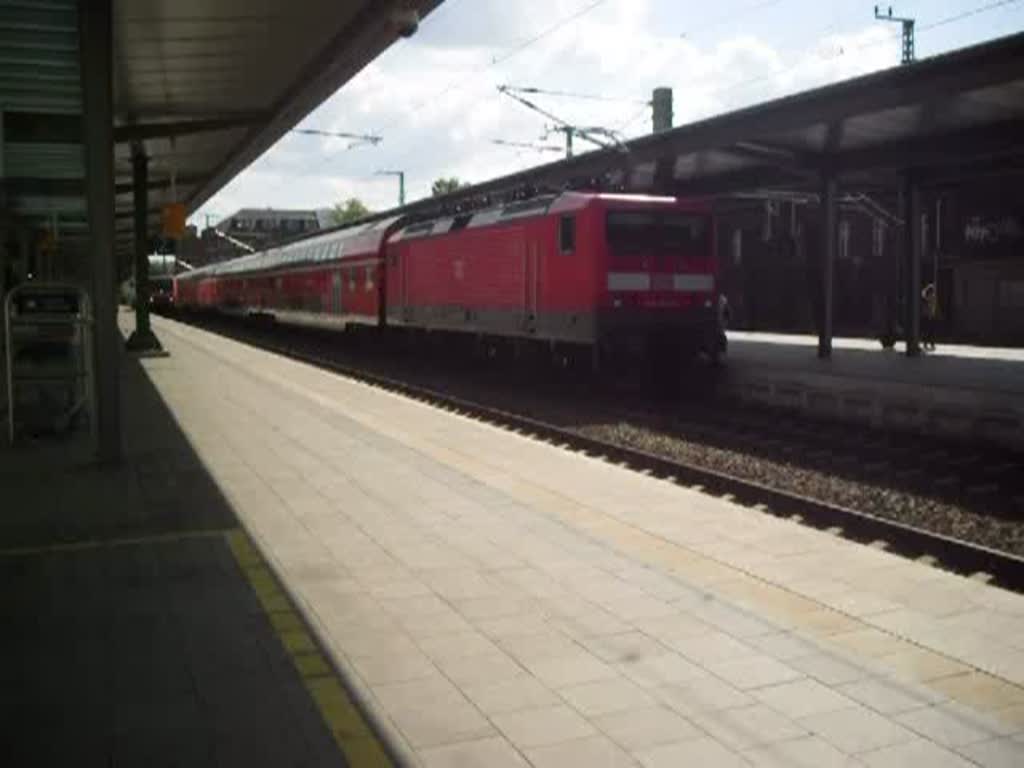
(434, 98)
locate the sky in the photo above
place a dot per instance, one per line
(434, 98)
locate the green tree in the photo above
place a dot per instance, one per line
(351, 210)
(445, 186)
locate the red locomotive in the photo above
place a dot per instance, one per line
(598, 273)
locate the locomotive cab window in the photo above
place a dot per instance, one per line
(650, 233)
(567, 234)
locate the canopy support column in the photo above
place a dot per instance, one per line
(829, 239)
(97, 45)
(912, 258)
(142, 339)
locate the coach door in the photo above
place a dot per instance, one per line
(336, 283)
(531, 284)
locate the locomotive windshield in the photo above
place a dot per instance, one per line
(669, 233)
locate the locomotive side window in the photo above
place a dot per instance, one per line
(567, 234)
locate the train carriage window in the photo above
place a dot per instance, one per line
(567, 234)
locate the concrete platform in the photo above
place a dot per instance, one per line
(498, 601)
(970, 392)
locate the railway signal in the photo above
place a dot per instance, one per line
(908, 32)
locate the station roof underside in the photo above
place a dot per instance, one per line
(944, 118)
(202, 86)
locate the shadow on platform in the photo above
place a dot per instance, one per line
(131, 633)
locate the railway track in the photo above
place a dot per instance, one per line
(889, 455)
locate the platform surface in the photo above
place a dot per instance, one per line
(954, 366)
(498, 601)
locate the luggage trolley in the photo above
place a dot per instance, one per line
(50, 376)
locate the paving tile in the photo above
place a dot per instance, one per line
(564, 671)
(995, 753)
(890, 697)
(593, 622)
(603, 696)
(626, 647)
(541, 727)
(679, 624)
(950, 726)
(856, 729)
(921, 664)
(784, 645)
(748, 727)
(513, 626)
(980, 690)
(392, 668)
(801, 698)
(699, 752)
(481, 668)
(755, 672)
(441, 623)
(830, 670)
(918, 752)
(511, 695)
(591, 752)
(655, 671)
(637, 729)
(710, 647)
(457, 645)
(495, 752)
(541, 645)
(703, 694)
(807, 752)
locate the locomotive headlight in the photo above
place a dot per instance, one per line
(707, 303)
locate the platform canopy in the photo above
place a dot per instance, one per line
(203, 87)
(944, 118)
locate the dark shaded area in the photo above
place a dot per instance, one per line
(151, 650)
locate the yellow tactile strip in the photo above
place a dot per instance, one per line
(126, 541)
(350, 729)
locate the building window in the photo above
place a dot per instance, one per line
(567, 234)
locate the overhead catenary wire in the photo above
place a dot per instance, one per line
(574, 95)
(546, 32)
(461, 80)
(868, 44)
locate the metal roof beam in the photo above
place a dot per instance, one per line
(143, 131)
(960, 147)
(74, 187)
(39, 127)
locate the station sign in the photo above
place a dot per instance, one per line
(172, 220)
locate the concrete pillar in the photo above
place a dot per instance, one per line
(829, 238)
(661, 112)
(143, 338)
(96, 45)
(912, 246)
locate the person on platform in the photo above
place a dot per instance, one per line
(930, 306)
